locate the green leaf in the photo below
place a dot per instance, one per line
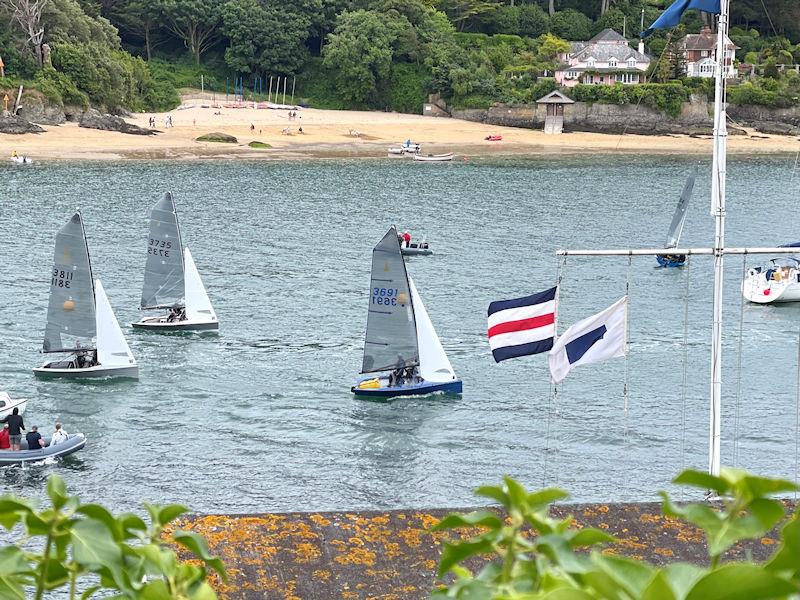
(12, 561)
(768, 512)
(154, 590)
(131, 523)
(56, 574)
(788, 555)
(202, 591)
(93, 544)
(516, 493)
(197, 545)
(631, 575)
(170, 512)
(740, 582)
(35, 524)
(545, 497)
(701, 515)
(478, 518)
(758, 487)
(100, 513)
(495, 493)
(658, 588)
(11, 588)
(89, 592)
(590, 537)
(57, 491)
(682, 577)
(454, 553)
(566, 594)
(702, 480)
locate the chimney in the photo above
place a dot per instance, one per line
(641, 46)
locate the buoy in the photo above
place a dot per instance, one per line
(69, 304)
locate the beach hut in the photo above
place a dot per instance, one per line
(554, 102)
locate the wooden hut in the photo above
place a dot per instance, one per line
(555, 102)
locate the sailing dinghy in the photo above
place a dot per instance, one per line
(401, 345)
(80, 321)
(171, 279)
(676, 227)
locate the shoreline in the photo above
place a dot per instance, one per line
(330, 134)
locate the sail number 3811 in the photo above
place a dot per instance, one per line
(384, 296)
(159, 247)
(61, 279)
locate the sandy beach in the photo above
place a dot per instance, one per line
(330, 133)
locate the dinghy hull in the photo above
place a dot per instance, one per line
(75, 443)
(416, 251)
(422, 388)
(163, 326)
(671, 260)
(96, 372)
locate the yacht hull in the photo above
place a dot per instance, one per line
(759, 291)
(95, 372)
(162, 325)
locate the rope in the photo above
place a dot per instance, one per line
(797, 422)
(794, 169)
(553, 395)
(625, 386)
(685, 365)
(739, 372)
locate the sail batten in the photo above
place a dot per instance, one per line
(391, 337)
(71, 308)
(679, 218)
(163, 273)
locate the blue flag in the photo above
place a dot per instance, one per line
(672, 16)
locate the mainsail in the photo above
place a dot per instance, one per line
(391, 340)
(679, 218)
(71, 312)
(163, 272)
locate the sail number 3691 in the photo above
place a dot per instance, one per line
(159, 247)
(61, 279)
(384, 296)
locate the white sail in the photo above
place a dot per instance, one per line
(112, 349)
(198, 306)
(433, 362)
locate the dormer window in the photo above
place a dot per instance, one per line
(612, 62)
(590, 62)
(631, 63)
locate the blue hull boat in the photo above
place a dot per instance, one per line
(422, 388)
(671, 260)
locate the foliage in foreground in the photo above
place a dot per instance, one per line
(86, 549)
(537, 555)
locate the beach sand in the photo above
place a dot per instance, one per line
(327, 133)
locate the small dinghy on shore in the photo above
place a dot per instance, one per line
(72, 444)
(401, 345)
(80, 320)
(171, 279)
(434, 157)
(21, 160)
(8, 404)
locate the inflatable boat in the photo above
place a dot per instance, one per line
(416, 249)
(75, 442)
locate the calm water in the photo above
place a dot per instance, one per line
(261, 417)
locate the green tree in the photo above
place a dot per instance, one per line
(140, 18)
(467, 13)
(195, 22)
(360, 50)
(571, 25)
(533, 21)
(263, 38)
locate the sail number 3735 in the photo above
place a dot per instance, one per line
(384, 296)
(159, 247)
(61, 279)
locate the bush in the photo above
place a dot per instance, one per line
(58, 88)
(571, 25)
(666, 97)
(534, 556)
(406, 88)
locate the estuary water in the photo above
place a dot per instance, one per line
(260, 418)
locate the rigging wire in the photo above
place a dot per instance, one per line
(561, 264)
(797, 422)
(625, 386)
(736, 413)
(685, 366)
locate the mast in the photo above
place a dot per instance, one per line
(718, 174)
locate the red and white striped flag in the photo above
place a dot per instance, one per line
(522, 326)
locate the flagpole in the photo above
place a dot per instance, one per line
(718, 175)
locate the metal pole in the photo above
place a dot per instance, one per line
(284, 89)
(718, 212)
(202, 86)
(269, 96)
(294, 81)
(687, 251)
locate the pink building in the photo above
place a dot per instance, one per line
(606, 59)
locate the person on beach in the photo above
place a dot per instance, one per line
(34, 439)
(15, 427)
(5, 443)
(59, 435)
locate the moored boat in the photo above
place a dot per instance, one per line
(8, 404)
(171, 278)
(776, 281)
(80, 321)
(416, 249)
(21, 160)
(403, 355)
(434, 157)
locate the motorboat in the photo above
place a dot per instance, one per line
(776, 281)
(434, 157)
(74, 443)
(410, 147)
(676, 227)
(403, 355)
(420, 248)
(8, 404)
(80, 321)
(171, 278)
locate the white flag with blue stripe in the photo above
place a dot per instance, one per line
(592, 340)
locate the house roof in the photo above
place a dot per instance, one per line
(601, 70)
(605, 45)
(702, 41)
(608, 35)
(555, 97)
